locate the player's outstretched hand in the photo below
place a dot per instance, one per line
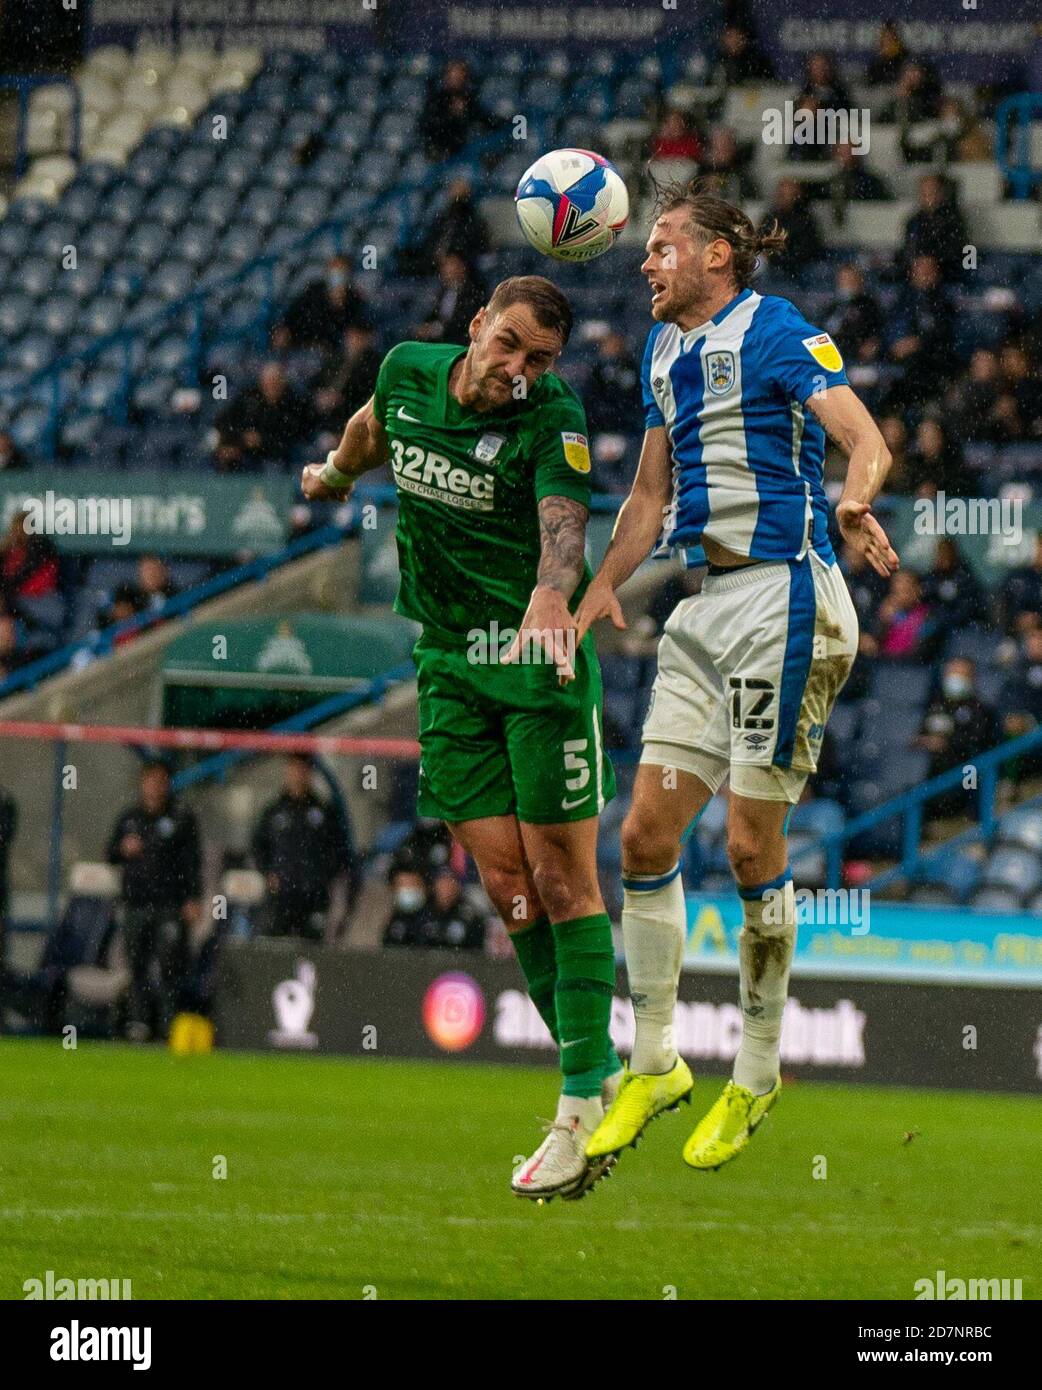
(315, 490)
(547, 633)
(862, 531)
(599, 601)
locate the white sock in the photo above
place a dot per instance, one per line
(587, 1110)
(765, 946)
(654, 929)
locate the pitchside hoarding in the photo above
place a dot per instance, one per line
(842, 932)
(284, 996)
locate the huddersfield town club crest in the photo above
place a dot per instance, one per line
(488, 446)
(720, 372)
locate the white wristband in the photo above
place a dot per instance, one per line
(331, 475)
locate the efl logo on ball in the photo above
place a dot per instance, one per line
(453, 1011)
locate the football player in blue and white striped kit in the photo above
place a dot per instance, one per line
(739, 393)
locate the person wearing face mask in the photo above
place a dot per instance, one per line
(323, 312)
(1021, 700)
(411, 919)
(453, 922)
(957, 726)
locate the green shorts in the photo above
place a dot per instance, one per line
(509, 740)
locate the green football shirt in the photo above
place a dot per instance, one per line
(468, 486)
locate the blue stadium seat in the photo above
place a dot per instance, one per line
(16, 312)
(195, 242)
(32, 352)
(995, 900)
(148, 242)
(14, 238)
(38, 277)
(215, 204)
(1019, 870)
(957, 872)
(167, 206)
(58, 314)
(80, 202)
(192, 166)
(1023, 828)
(123, 204)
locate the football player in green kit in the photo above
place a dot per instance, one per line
(491, 463)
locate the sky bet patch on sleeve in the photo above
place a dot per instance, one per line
(824, 351)
(576, 451)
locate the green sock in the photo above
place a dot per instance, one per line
(534, 945)
(613, 1062)
(585, 984)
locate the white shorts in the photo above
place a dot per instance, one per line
(748, 672)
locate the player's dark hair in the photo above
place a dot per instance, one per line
(710, 216)
(548, 305)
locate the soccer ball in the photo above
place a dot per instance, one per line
(572, 204)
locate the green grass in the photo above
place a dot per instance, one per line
(344, 1175)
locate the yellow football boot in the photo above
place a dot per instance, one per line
(640, 1099)
(723, 1132)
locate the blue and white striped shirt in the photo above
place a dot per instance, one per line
(747, 453)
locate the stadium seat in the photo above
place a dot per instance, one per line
(1018, 870)
(995, 900)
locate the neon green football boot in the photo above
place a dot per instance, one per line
(639, 1100)
(723, 1132)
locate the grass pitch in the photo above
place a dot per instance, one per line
(345, 1177)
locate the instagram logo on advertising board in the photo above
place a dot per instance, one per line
(453, 1011)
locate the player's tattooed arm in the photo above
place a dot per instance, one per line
(548, 627)
(562, 531)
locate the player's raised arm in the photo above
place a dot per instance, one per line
(547, 621)
(847, 422)
(362, 448)
(636, 530)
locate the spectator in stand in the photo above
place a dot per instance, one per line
(322, 312)
(854, 318)
(156, 842)
(961, 138)
(459, 296)
(937, 228)
(458, 229)
(1020, 596)
(921, 335)
(12, 459)
(346, 383)
(904, 629)
(126, 603)
(852, 181)
(264, 423)
(727, 164)
(453, 922)
(951, 590)
(612, 396)
(28, 564)
(937, 463)
(1023, 381)
(895, 432)
(957, 726)
(867, 588)
(301, 847)
(740, 60)
(1021, 699)
(452, 115)
(804, 244)
(675, 138)
(822, 82)
(805, 117)
(410, 878)
(891, 55)
(154, 583)
(972, 400)
(918, 94)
